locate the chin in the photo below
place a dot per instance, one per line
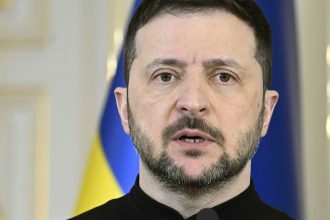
(194, 167)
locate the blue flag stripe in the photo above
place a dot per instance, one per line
(117, 145)
(274, 167)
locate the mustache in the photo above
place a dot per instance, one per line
(192, 123)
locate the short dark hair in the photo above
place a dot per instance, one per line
(246, 10)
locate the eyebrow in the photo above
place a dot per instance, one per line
(167, 62)
(216, 62)
(222, 62)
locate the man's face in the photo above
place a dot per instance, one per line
(195, 96)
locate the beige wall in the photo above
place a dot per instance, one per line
(312, 19)
(53, 69)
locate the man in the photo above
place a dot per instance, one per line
(196, 104)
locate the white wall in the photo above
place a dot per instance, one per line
(68, 70)
(312, 40)
(65, 73)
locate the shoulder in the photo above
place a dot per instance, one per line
(113, 209)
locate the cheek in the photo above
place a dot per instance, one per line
(238, 117)
(150, 114)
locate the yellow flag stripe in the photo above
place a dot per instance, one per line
(99, 184)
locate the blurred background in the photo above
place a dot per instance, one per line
(57, 62)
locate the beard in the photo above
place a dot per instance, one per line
(214, 177)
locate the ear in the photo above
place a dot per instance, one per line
(271, 98)
(121, 100)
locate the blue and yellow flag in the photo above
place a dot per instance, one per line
(113, 163)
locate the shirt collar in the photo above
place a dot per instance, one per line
(245, 202)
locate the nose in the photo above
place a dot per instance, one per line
(193, 98)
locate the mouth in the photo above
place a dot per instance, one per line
(187, 139)
(189, 136)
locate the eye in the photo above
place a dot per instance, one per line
(165, 76)
(224, 77)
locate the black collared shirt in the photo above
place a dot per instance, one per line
(137, 205)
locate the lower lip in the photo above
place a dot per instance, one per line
(197, 145)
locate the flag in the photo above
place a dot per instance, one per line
(274, 168)
(113, 163)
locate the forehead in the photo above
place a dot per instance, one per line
(200, 34)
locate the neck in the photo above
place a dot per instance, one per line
(186, 205)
